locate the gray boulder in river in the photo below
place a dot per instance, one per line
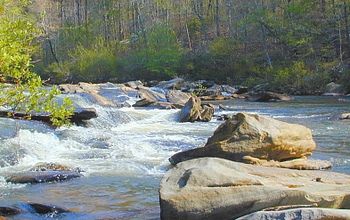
(216, 188)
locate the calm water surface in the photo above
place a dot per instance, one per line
(124, 153)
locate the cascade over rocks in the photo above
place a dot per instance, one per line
(216, 188)
(259, 140)
(195, 111)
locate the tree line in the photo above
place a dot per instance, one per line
(297, 46)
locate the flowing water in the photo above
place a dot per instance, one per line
(124, 153)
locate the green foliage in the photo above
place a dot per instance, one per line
(200, 91)
(96, 63)
(345, 80)
(163, 53)
(146, 40)
(24, 90)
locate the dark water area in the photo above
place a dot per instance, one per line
(124, 153)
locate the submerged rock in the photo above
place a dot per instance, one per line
(36, 208)
(42, 177)
(250, 138)
(8, 211)
(47, 208)
(215, 188)
(344, 116)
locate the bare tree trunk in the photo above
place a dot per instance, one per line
(268, 58)
(346, 17)
(121, 33)
(86, 15)
(186, 26)
(229, 24)
(217, 18)
(78, 12)
(138, 12)
(197, 12)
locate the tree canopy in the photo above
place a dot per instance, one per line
(297, 46)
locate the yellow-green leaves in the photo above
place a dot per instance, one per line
(21, 90)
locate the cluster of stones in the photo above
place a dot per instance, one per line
(254, 167)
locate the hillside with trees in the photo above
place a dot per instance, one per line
(297, 46)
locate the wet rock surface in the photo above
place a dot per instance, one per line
(37, 208)
(42, 177)
(45, 173)
(341, 117)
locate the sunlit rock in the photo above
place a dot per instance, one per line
(171, 84)
(300, 213)
(177, 97)
(42, 166)
(195, 111)
(248, 136)
(215, 188)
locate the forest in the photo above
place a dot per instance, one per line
(297, 46)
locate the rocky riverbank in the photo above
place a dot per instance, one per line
(252, 165)
(247, 154)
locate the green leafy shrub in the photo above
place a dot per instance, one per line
(163, 52)
(94, 64)
(20, 88)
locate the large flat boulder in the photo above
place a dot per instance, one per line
(250, 138)
(300, 213)
(215, 188)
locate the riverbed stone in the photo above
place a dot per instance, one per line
(42, 177)
(265, 96)
(37, 208)
(177, 97)
(8, 211)
(193, 111)
(47, 166)
(300, 213)
(344, 116)
(254, 136)
(333, 89)
(171, 84)
(216, 188)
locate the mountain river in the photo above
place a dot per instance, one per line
(124, 153)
